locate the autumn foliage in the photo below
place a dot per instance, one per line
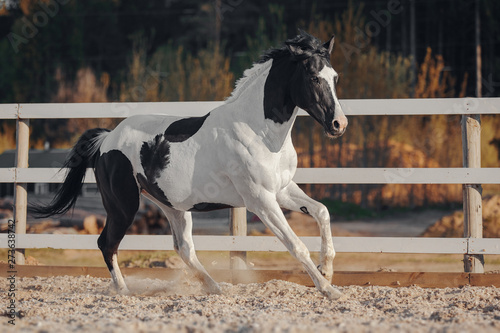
(173, 73)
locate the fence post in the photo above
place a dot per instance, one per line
(472, 205)
(238, 227)
(20, 189)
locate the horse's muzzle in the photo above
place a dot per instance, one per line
(338, 126)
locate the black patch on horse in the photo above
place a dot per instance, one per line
(183, 129)
(155, 156)
(120, 196)
(278, 106)
(207, 207)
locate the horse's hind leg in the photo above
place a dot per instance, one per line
(108, 244)
(182, 231)
(120, 197)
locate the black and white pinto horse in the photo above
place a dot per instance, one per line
(244, 146)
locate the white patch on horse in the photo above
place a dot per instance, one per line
(117, 276)
(248, 77)
(329, 75)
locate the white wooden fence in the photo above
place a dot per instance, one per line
(22, 174)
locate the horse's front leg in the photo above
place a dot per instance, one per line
(268, 210)
(293, 198)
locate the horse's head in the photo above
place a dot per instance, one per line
(312, 86)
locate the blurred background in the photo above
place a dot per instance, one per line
(60, 51)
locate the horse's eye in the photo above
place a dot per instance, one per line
(315, 79)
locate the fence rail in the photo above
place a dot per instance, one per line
(462, 106)
(308, 175)
(414, 245)
(361, 107)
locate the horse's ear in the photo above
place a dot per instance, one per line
(329, 45)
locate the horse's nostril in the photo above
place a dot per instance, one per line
(336, 124)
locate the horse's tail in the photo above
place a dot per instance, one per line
(82, 156)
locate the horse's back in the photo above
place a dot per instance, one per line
(196, 160)
(178, 156)
(134, 130)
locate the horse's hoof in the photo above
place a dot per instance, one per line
(124, 291)
(332, 293)
(121, 290)
(214, 289)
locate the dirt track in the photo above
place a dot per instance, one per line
(88, 304)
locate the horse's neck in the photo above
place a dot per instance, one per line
(247, 106)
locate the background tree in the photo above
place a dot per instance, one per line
(125, 50)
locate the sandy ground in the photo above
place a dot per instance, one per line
(83, 304)
(86, 304)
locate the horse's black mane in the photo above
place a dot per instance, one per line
(309, 44)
